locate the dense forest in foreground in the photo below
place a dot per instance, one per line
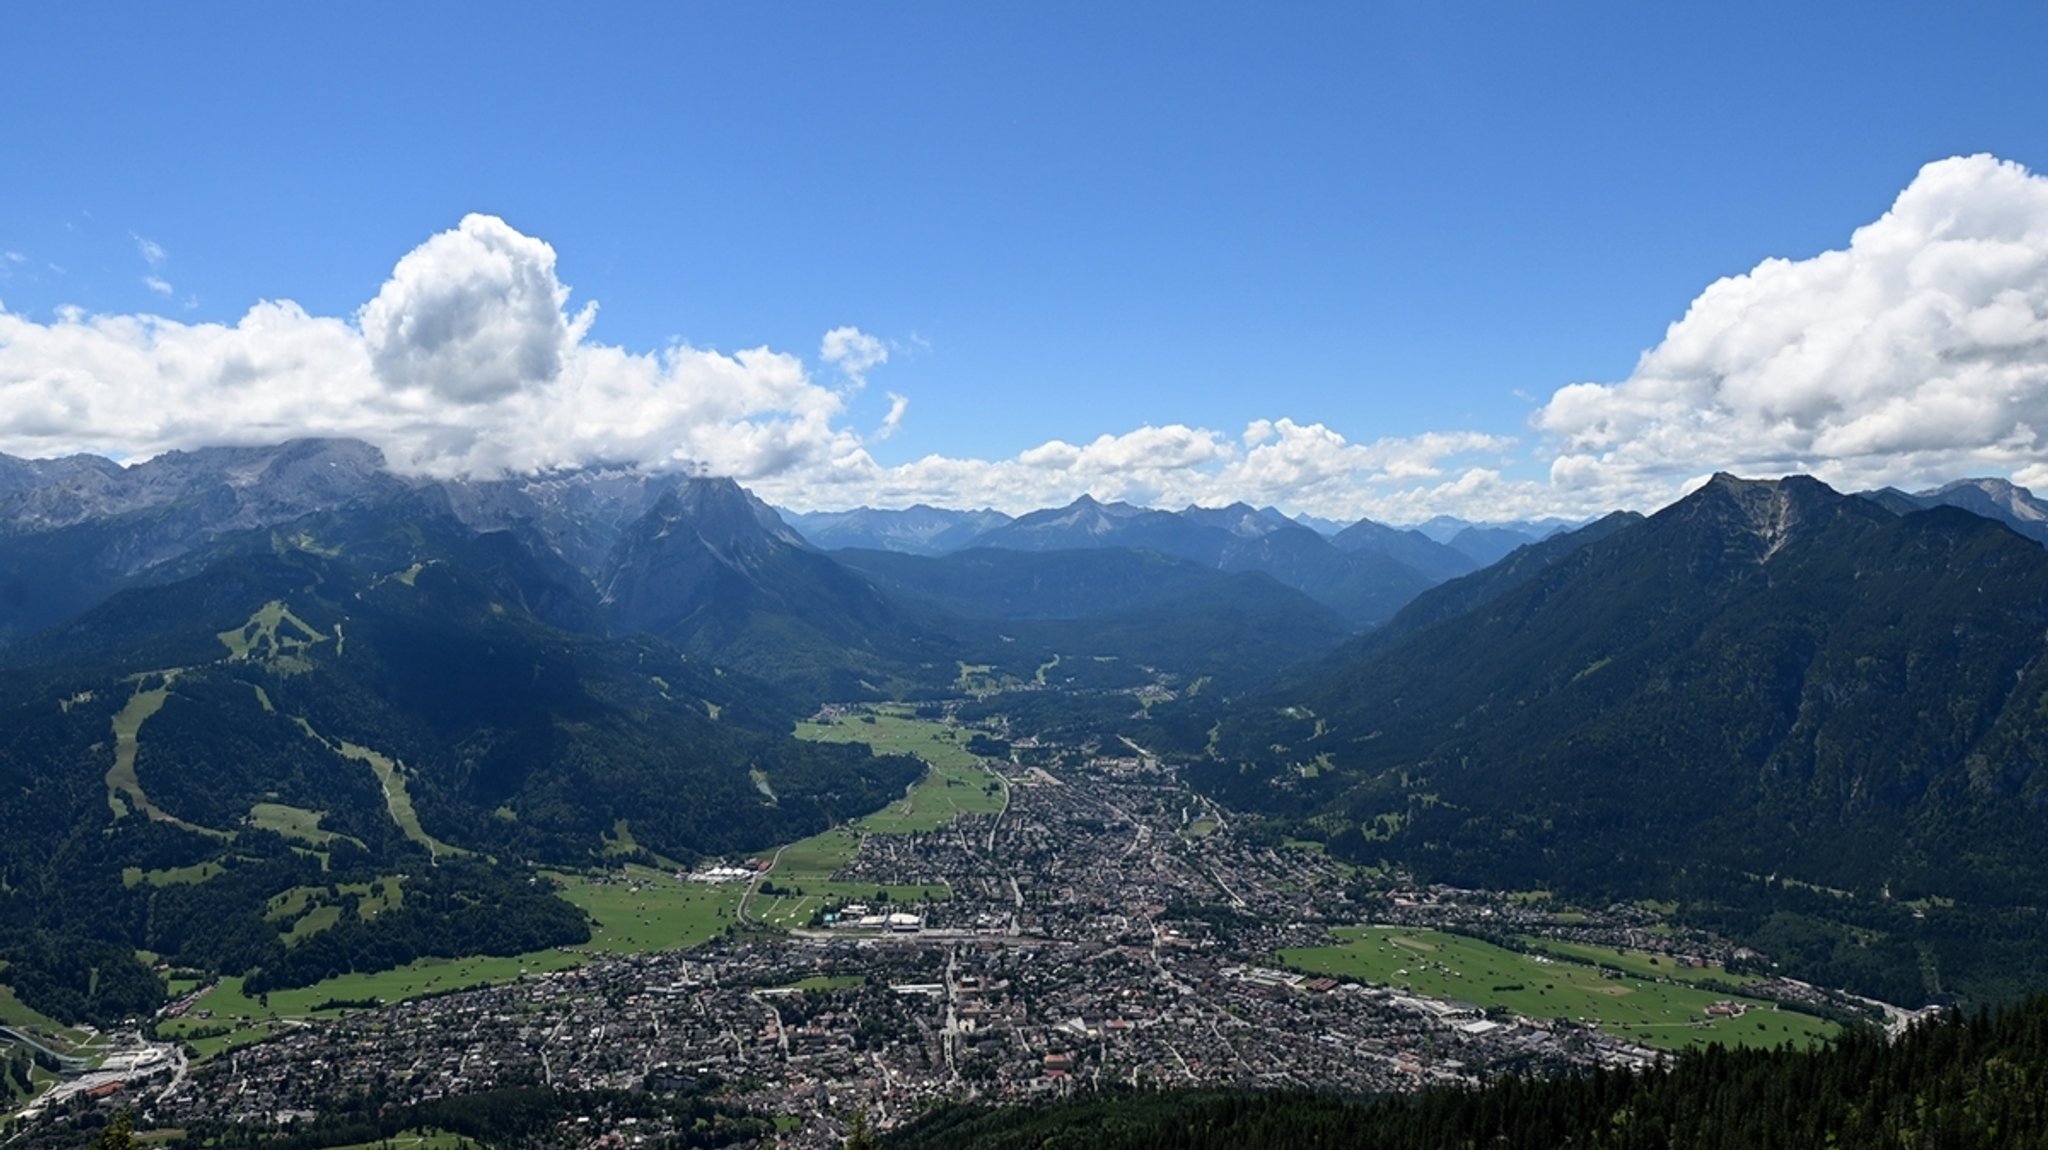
(1959, 1081)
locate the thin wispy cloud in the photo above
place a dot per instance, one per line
(854, 352)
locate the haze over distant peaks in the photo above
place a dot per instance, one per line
(916, 530)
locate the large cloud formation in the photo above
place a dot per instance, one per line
(468, 362)
(1918, 353)
(472, 315)
(465, 362)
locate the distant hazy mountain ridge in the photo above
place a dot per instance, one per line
(915, 530)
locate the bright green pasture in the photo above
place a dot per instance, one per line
(895, 731)
(315, 921)
(954, 785)
(15, 1012)
(175, 876)
(253, 1019)
(1439, 965)
(422, 1139)
(817, 856)
(1640, 963)
(372, 899)
(648, 910)
(827, 982)
(295, 823)
(806, 868)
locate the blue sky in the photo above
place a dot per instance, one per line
(1060, 222)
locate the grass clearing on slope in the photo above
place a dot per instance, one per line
(312, 923)
(173, 876)
(391, 777)
(295, 823)
(1657, 1014)
(124, 789)
(16, 1013)
(268, 637)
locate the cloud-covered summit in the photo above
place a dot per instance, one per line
(1919, 352)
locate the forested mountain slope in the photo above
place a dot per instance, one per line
(1767, 682)
(361, 699)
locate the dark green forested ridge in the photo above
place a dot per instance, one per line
(269, 672)
(1960, 1082)
(1815, 721)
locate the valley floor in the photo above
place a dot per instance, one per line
(1084, 920)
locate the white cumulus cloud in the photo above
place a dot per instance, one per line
(854, 352)
(472, 315)
(1917, 353)
(464, 362)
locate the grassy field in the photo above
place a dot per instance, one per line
(980, 679)
(263, 637)
(396, 798)
(124, 789)
(1438, 965)
(954, 785)
(15, 1012)
(1638, 963)
(315, 921)
(173, 876)
(254, 1019)
(294, 823)
(427, 1139)
(826, 982)
(651, 911)
(648, 911)
(372, 899)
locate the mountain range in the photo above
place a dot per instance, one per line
(237, 673)
(1809, 718)
(1385, 564)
